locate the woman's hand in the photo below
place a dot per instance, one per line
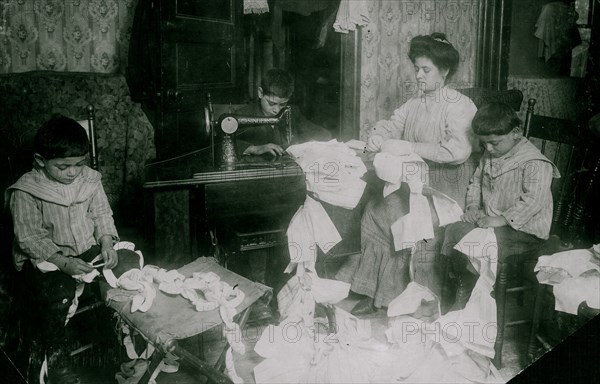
(374, 143)
(271, 149)
(472, 214)
(397, 147)
(491, 222)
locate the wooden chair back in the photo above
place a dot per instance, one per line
(569, 145)
(90, 128)
(481, 96)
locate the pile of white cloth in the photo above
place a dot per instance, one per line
(575, 277)
(333, 174)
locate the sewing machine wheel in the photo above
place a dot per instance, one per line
(229, 125)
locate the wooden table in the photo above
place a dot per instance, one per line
(184, 201)
(172, 318)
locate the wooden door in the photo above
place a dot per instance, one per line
(186, 49)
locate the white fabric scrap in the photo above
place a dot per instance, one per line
(572, 292)
(395, 169)
(410, 300)
(332, 171)
(447, 209)
(575, 277)
(310, 227)
(572, 263)
(415, 225)
(230, 368)
(297, 298)
(475, 327)
(350, 14)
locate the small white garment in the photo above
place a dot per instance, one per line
(448, 210)
(297, 298)
(351, 13)
(575, 277)
(332, 170)
(574, 262)
(475, 326)
(415, 225)
(410, 300)
(572, 292)
(397, 169)
(310, 227)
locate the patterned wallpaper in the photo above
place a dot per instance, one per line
(60, 35)
(562, 98)
(387, 75)
(125, 136)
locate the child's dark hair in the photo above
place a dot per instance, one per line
(61, 137)
(436, 48)
(495, 119)
(278, 82)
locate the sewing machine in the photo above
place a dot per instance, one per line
(222, 132)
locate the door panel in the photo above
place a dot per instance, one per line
(194, 47)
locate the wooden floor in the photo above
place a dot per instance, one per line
(513, 354)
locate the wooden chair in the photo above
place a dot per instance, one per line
(573, 147)
(89, 125)
(563, 142)
(90, 305)
(481, 96)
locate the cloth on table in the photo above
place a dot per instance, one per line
(575, 277)
(333, 174)
(350, 14)
(332, 170)
(172, 316)
(554, 269)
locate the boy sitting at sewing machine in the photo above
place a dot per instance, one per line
(276, 89)
(62, 220)
(509, 192)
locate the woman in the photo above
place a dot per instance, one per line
(436, 125)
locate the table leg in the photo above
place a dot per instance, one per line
(212, 374)
(157, 357)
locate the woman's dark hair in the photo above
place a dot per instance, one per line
(278, 82)
(495, 119)
(436, 48)
(61, 137)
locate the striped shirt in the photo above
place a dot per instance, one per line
(51, 217)
(516, 186)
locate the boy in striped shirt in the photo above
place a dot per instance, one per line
(61, 217)
(509, 191)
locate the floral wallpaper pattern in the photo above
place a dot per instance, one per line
(387, 75)
(125, 136)
(555, 97)
(64, 35)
